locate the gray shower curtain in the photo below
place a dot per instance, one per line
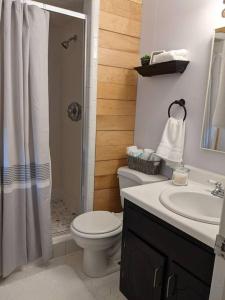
(24, 136)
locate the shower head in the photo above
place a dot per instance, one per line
(66, 43)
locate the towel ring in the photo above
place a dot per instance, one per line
(180, 102)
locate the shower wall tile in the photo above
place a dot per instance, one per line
(72, 91)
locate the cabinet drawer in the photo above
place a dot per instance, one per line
(193, 255)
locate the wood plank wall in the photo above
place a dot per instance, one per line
(120, 25)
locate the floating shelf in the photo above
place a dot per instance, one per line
(169, 67)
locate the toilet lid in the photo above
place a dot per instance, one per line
(96, 222)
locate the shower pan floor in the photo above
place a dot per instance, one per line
(61, 218)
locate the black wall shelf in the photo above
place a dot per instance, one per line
(169, 67)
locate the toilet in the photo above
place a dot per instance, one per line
(98, 233)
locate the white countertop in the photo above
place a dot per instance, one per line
(147, 197)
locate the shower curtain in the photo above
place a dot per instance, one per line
(24, 134)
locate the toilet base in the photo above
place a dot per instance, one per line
(98, 263)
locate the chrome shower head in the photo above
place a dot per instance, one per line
(66, 43)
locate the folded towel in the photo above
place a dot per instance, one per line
(147, 154)
(171, 55)
(134, 151)
(155, 157)
(172, 144)
(180, 52)
(131, 149)
(138, 153)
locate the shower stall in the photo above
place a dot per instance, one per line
(47, 129)
(70, 99)
(66, 102)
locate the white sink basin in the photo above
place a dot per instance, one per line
(194, 204)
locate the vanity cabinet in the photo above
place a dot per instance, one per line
(161, 262)
(143, 269)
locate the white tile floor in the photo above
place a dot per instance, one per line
(61, 279)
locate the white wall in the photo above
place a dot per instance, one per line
(174, 24)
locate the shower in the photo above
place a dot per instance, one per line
(66, 43)
(66, 90)
(48, 186)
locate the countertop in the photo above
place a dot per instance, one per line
(147, 197)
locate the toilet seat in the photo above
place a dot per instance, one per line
(97, 224)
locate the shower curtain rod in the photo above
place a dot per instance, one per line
(56, 9)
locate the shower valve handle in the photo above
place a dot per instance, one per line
(74, 111)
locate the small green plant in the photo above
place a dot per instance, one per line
(145, 60)
(146, 56)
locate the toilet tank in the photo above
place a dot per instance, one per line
(128, 178)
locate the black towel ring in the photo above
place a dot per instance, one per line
(180, 102)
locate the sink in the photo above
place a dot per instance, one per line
(195, 204)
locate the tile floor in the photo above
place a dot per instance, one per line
(61, 279)
(61, 218)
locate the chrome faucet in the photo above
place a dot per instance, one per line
(219, 190)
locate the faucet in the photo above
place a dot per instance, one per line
(219, 190)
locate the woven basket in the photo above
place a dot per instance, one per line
(144, 166)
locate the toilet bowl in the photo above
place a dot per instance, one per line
(98, 233)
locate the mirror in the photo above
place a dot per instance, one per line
(213, 133)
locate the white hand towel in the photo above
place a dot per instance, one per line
(171, 146)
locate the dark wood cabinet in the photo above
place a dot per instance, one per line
(143, 270)
(161, 262)
(181, 285)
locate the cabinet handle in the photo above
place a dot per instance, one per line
(168, 288)
(155, 285)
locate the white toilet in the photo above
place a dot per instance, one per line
(99, 232)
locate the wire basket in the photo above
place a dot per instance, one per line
(145, 166)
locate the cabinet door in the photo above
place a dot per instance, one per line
(181, 285)
(142, 269)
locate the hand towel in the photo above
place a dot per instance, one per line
(171, 146)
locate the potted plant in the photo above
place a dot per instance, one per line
(145, 60)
